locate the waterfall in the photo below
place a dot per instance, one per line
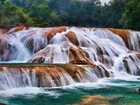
(60, 56)
(134, 40)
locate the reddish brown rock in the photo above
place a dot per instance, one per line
(122, 33)
(49, 34)
(72, 38)
(77, 56)
(2, 104)
(137, 54)
(3, 30)
(74, 70)
(40, 56)
(47, 75)
(97, 100)
(93, 100)
(53, 72)
(19, 28)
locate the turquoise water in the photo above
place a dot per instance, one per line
(120, 90)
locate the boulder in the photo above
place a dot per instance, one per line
(53, 31)
(72, 38)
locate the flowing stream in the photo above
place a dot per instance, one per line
(69, 66)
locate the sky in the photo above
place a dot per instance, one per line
(104, 1)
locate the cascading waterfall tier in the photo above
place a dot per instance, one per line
(59, 56)
(50, 75)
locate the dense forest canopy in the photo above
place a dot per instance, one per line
(82, 13)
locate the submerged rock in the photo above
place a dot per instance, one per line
(2, 104)
(97, 100)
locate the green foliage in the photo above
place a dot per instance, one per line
(131, 16)
(111, 13)
(4, 20)
(86, 13)
(13, 15)
(54, 16)
(2, 1)
(40, 14)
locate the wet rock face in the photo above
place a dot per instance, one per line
(53, 31)
(72, 38)
(4, 48)
(130, 37)
(3, 30)
(122, 33)
(81, 46)
(77, 56)
(19, 28)
(85, 55)
(41, 75)
(33, 40)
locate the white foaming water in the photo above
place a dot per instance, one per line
(22, 42)
(28, 92)
(94, 41)
(34, 40)
(19, 51)
(123, 80)
(134, 42)
(31, 92)
(105, 49)
(104, 33)
(88, 41)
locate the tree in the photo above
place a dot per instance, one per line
(112, 12)
(40, 14)
(131, 16)
(13, 15)
(2, 1)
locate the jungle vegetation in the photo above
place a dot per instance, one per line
(81, 13)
